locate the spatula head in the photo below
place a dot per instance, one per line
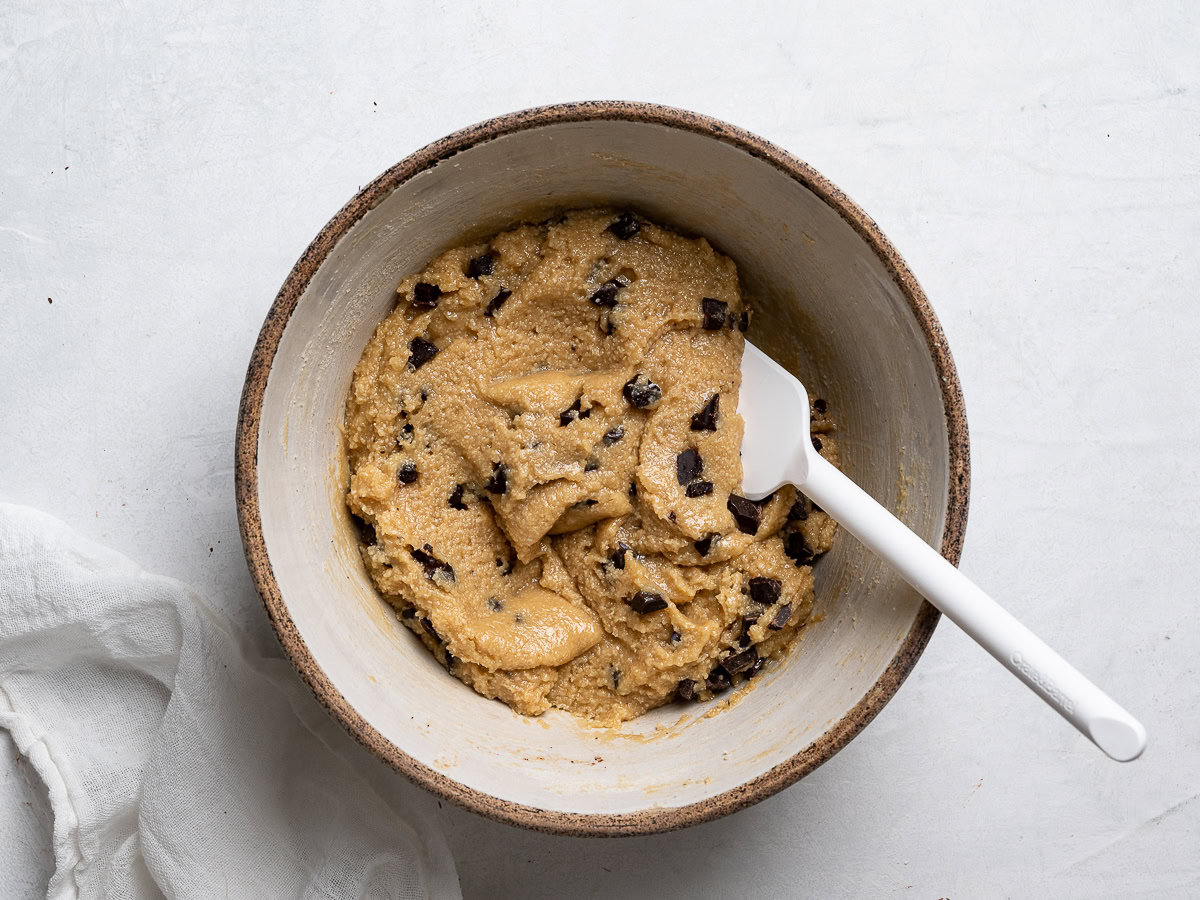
(774, 406)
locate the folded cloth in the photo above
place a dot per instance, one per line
(179, 762)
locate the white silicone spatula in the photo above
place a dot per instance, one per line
(776, 450)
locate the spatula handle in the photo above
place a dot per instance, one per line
(1101, 719)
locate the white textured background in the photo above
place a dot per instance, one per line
(162, 165)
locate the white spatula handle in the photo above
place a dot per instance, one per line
(1022, 652)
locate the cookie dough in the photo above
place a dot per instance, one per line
(543, 449)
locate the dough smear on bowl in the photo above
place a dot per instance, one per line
(543, 449)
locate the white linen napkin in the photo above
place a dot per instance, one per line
(180, 763)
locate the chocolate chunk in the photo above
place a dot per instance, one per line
(496, 302)
(613, 435)
(718, 681)
(431, 563)
(495, 604)
(676, 637)
(819, 406)
(641, 392)
(407, 473)
(817, 443)
(422, 352)
(797, 549)
(425, 295)
(408, 612)
(498, 483)
(746, 513)
(688, 466)
(644, 602)
(781, 617)
(606, 294)
(686, 689)
(430, 630)
(765, 590)
(798, 512)
(748, 622)
(406, 434)
(481, 265)
(714, 313)
(573, 413)
(456, 497)
(756, 668)
(626, 226)
(740, 662)
(618, 555)
(591, 465)
(699, 489)
(706, 419)
(366, 531)
(744, 321)
(705, 544)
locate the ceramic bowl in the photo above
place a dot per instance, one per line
(835, 303)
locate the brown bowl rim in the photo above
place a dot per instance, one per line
(647, 821)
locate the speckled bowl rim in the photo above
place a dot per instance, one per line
(651, 820)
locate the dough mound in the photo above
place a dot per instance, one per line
(543, 450)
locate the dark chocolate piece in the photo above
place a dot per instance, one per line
(366, 531)
(613, 435)
(456, 497)
(686, 689)
(765, 590)
(747, 623)
(744, 321)
(641, 392)
(797, 549)
(644, 602)
(431, 563)
(606, 294)
(626, 226)
(706, 419)
(699, 489)
(498, 483)
(422, 352)
(782, 616)
(676, 637)
(718, 681)
(406, 435)
(425, 295)
(618, 555)
(705, 544)
(740, 662)
(746, 513)
(573, 413)
(688, 466)
(798, 512)
(495, 604)
(714, 313)
(819, 406)
(407, 473)
(816, 441)
(496, 302)
(481, 265)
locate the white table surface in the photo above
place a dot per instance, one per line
(162, 167)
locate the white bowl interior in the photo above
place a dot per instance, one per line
(828, 309)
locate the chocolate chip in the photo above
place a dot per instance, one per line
(495, 604)
(796, 548)
(765, 590)
(706, 419)
(498, 483)
(714, 313)
(688, 466)
(430, 630)
(573, 413)
(407, 473)
(615, 676)
(481, 265)
(686, 689)
(591, 465)
(819, 406)
(626, 226)
(676, 637)
(699, 489)
(366, 531)
(740, 662)
(798, 512)
(431, 563)
(408, 612)
(406, 434)
(613, 435)
(425, 295)
(644, 602)
(756, 668)
(746, 513)
(718, 681)
(641, 392)
(606, 294)
(671, 516)
(816, 441)
(781, 617)
(744, 321)
(748, 622)
(422, 352)
(705, 544)
(618, 555)
(496, 302)
(456, 497)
